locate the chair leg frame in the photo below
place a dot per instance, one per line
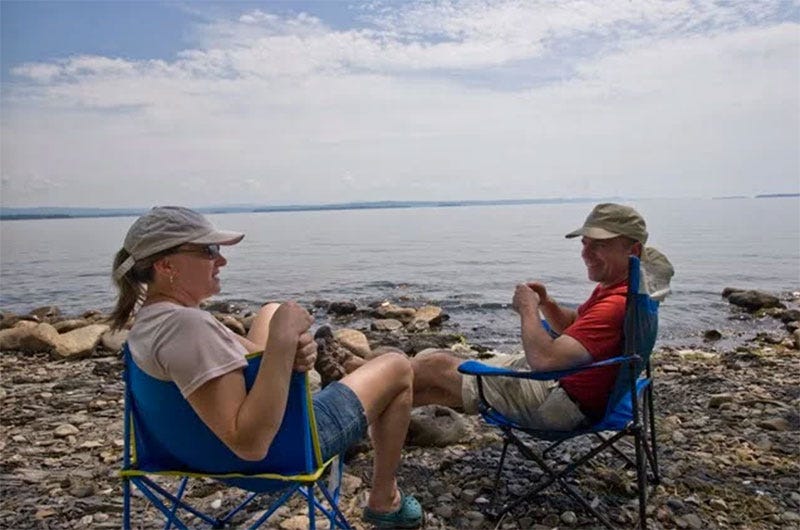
(157, 494)
(645, 450)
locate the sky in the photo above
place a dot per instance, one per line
(132, 104)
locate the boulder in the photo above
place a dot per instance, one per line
(431, 314)
(46, 313)
(414, 343)
(389, 310)
(113, 340)
(29, 337)
(10, 320)
(93, 315)
(7, 319)
(247, 321)
(355, 341)
(80, 342)
(386, 324)
(790, 315)
(425, 317)
(321, 304)
(230, 322)
(65, 326)
(752, 300)
(221, 307)
(436, 426)
(342, 308)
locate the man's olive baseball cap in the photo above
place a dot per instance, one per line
(609, 220)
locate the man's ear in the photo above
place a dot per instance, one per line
(636, 249)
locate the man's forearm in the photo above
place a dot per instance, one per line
(535, 341)
(559, 318)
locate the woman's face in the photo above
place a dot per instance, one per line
(197, 270)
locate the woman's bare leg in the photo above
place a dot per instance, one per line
(384, 387)
(259, 328)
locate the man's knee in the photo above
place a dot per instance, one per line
(435, 368)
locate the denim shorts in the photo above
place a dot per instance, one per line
(341, 420)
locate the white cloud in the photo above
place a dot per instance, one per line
(664, 99)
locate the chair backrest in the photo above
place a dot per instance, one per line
(169, 436)
(640, 331)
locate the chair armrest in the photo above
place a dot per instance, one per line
(479, 369)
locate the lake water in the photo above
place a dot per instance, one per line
(466, 259)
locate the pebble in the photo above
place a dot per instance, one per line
(569, 518)
(445, 511)
(693, 521)
(790, 517)
(64, 430)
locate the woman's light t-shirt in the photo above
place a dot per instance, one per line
(185, 345)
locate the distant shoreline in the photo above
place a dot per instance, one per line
(20, 214)
(11, 214)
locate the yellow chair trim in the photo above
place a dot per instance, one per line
(311, 477)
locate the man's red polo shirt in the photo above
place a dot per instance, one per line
(599, 329)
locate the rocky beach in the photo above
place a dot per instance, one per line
(727, 421)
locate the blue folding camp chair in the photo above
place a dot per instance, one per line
(165, 437)
(629, 411)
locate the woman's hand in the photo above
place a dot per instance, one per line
(306, 354)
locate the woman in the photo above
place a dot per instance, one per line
(170, 261)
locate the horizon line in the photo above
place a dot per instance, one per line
(69, 212)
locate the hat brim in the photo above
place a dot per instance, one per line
(593, 232)
(218, 237)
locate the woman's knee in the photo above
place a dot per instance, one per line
(268, 309)
(400, 367)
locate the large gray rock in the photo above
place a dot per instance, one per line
(389, 310)
(425, 317)
(355, 341)
(751, 300)
(29, 337)
(46, 313)
(65, 326)
(113, 340)
(230, 322)
(342, 308)
(386, 324)
(80, 342)
(437, 426)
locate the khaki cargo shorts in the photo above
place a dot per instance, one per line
(535, 404)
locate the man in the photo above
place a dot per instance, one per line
(593, 332)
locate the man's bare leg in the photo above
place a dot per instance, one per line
(437, 379)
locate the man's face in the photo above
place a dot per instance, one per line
(606, 260)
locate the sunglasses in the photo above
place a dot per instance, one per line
(208, 251)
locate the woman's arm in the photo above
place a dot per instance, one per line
(247, 422)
